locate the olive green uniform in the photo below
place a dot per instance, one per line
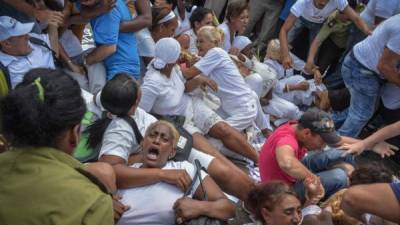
(46, 186)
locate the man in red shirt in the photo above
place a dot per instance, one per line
(283, 156)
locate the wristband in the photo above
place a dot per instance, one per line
(315, 69)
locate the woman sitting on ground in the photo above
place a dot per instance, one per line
(118, 141)
(238, 102)
(163, 203)
(236, 20)
(292, 86)
(42, 183)
(199, 18)
(275, 107)
(163, 93)
(164, 24)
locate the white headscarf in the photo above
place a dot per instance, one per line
(167, 51)
(167, 17)
(240, 42)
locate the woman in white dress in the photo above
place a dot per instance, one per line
(199, 18)
(164, 93)
(119, 143)
(164, 24)
(162, 203)
(183, 11)
(236, 20)
(292, 87)
(238, 104)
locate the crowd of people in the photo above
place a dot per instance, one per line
(184, 112)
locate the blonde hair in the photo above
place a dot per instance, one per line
(213, 34)
(339, 217)
(274, 49)
(173, 131)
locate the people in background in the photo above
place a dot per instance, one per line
(199, 18)
(266, 12)
(365, 68)
(311, 14)
(117, 50)
(236, 21)
(330, 42)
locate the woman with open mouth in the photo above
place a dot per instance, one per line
(162, 203)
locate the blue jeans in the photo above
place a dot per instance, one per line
(339, 117)
(364, 87)
(321, 163)
(301, 23)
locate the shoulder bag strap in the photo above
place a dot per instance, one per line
(132, 122)
(197, 176)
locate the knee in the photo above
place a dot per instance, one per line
(222, 130)
(346, 167)
(338, 178)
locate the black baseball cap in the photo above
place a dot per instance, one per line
(320, 122)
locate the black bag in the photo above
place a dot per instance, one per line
(202, 220)
(185, 142)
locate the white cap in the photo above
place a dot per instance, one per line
(241, 42)
(10, 27)
(167, 51)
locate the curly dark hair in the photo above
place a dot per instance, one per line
(373, 172)
(268, 195)
(31, 120)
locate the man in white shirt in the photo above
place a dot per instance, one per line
(376, 12)
(19, 54)
(370, 63)
(311, 14)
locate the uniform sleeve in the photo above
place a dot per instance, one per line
(118, 142)
(342, 4)
(324, 32)
(101, 212)
(297, 8)
(394, 44)
(150, 92)
(106, 28)
(210, 61)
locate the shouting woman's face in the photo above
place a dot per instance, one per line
(158, 146)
